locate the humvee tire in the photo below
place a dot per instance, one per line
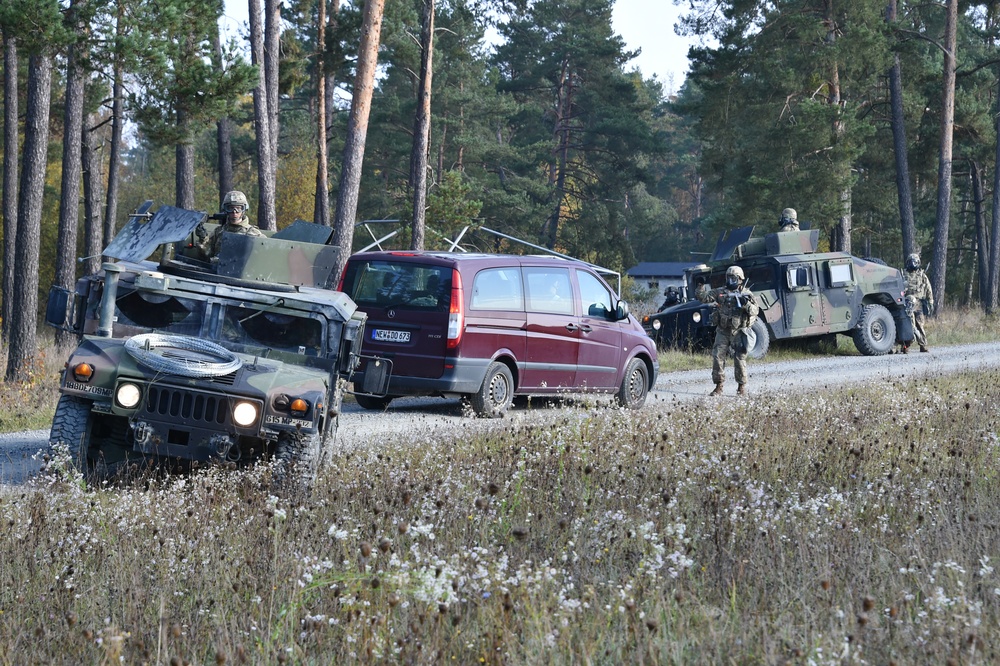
(876, 331)
(70, 424)
(762, 340)
(298, 459)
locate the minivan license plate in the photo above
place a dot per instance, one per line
(383, 335)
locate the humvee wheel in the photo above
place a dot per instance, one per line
(758, 340)
(298, 459)
(876, 331)
(635, 385)
(71, 428)
(494, 397)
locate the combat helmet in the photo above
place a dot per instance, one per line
(235, 198)
(734, 277)
(788, 216)
(913, 262)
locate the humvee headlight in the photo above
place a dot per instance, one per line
(82, 372)
(656, 324)
(128, 395)
(299, 407)
(696, 317)
(245, 414)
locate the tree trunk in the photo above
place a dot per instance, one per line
(184, 175)
(357, 132)
(321, 207)
(422, 126)
(184, 168)
(223, 134)
(331, 76)
(114, 154)
(272, 56)
(69, 198)
(939, 260)
(10, 157)
(844, 227)
(262, 126)
(23, 349)
(92, 225)
(993, 289)
(982, 245)
(557, 172)
(898, 123)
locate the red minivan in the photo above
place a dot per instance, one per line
(488, 327)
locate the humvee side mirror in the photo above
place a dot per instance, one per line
(60, 308)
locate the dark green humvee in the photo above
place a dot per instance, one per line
(234, 360)
(802, 294)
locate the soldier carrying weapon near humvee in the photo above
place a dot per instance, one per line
(735, 312)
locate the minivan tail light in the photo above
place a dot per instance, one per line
(456, 313)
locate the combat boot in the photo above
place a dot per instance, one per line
(906, 349)
(717, 390)
(741, 389)
(924, 348)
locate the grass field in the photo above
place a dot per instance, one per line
(860, 526)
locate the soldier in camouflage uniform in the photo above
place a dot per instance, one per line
(736, 310)
(234, 206)
(789, 220)
(919, 300)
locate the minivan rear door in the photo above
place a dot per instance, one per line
(407, 303)
(553, 329)
(600, 347)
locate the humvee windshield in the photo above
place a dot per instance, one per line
(274, 330)
(160, 312)
(240, 325)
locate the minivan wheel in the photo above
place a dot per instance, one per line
(494, 397)
(372, 402)
(635, 385)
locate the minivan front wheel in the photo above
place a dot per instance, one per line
(493, 398)
(635, 385)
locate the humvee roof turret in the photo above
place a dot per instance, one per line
(802, 294)
(190, 361)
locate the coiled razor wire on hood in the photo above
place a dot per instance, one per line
(143, 348)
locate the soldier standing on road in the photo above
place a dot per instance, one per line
(736, 310)
(919, 300)
(234, 207)
(789, 220)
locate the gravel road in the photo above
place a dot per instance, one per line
(429, 416)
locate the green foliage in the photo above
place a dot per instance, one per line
(182, 89)
(450, 205)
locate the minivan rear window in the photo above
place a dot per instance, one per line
(407, 285)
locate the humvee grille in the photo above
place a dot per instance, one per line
(174, 403)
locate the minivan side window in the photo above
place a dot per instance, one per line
(498, 289)
(595, 297)
(390, 284)
(548, 290)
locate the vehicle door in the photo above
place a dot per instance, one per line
(600, 348)
(553, 329)
(495, 321)
(839, 294)
(407, 305)
(803, 306)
